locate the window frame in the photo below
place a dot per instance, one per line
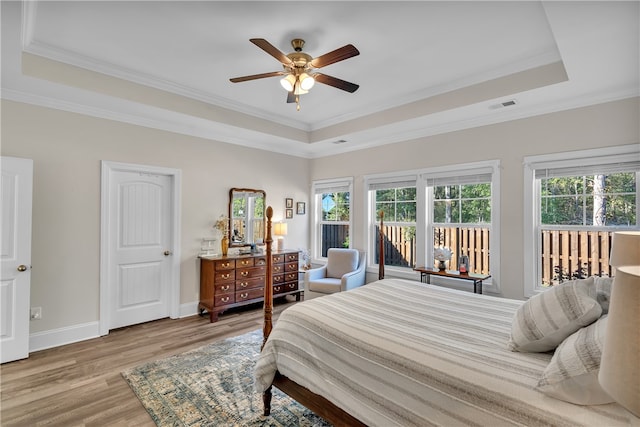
(319, 187)
(388, 180)
(589, 160)
(424, 217)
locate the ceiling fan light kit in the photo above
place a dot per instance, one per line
(299, 69)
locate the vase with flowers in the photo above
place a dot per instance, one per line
(222, 225)
(442, 255)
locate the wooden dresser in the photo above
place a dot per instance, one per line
(232, 281)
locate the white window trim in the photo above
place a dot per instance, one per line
(424, 217)
(369, 180)
(596, 156)
(316, 209)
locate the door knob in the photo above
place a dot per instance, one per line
(22, 267)
(167, 253)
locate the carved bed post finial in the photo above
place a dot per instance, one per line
(381, 249)
(268, 286)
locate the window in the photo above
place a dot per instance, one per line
(332, 215)
(576, 201)
(453, 206)
(461, 212)
(396, 198)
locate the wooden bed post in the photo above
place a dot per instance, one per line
(381, 249)
(268, 305)
(268, 286)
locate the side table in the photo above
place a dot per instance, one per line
(427, 272)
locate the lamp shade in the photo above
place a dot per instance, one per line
(280, 229)
(288, 82)
(619, 372)
(625, 248)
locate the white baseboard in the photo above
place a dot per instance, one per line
(188, 309)
(70, 334)
(57, 337)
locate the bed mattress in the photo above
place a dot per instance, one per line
(399, 352)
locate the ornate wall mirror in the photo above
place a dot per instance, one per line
(246, 215)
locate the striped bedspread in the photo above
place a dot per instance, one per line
(398, 352)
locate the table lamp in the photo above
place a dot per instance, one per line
(619, 372)
(280, 230)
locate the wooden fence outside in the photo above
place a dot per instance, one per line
(470, 241)
(574, 254)
(566, 254)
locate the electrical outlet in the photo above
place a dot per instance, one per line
(36, 313)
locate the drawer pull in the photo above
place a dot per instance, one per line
(244, 262)
(292, 257)
(244, 273)
(276, 288)
(244, 295)
(276, 268)
(244, 284)
(225, 276)
(225, 299)
(224, 288)
(226, 264)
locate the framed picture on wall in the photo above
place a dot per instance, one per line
(288, 213)
(288, 203)
(300, 208)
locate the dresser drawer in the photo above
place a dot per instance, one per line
(277, 268)
(225, 276)
(244, 262)
(277, 259)
(288, 287)
(254, 282)
(246, 273)
(278, 289)
(291, 266)
(225, 264)
(224, 288)
(278, 278)
(291, 257)
(223, 299)
(291, 277)
(249, 294)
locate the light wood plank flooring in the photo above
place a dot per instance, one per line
(80, 384)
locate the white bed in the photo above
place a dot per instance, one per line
(398, 352)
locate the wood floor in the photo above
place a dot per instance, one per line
(80, 384)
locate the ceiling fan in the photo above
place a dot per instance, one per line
(300, 69)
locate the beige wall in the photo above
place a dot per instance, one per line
(610, 124)
(67, 149)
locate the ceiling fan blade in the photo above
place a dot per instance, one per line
(272, 50)
(291, 98)
(340, 54)
(336, 82)
(257, 76)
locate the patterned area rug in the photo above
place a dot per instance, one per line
(213, 386)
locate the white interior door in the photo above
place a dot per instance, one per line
(140, 247)
(16, 202)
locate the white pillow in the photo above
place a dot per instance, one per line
(546, 319)
(601, 291)
(572, 374)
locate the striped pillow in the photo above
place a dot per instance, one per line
(572, 374)
(546, 319)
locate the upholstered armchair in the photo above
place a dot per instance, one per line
(344, 270)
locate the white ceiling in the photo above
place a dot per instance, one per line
(431, 67)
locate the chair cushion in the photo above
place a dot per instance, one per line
(341, 262)
(325, 286)
(546, 319)
(572, 374)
